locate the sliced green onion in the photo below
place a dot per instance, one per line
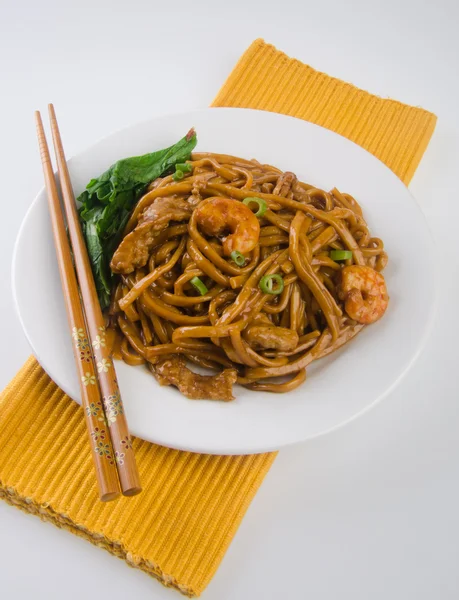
(340, 254)
(262, 206)
(199, 286)
(180, 170)
(185, 167)
(267, 284)
(238, 258)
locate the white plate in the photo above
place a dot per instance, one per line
(339, 387)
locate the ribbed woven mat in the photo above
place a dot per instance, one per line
(268, 79)
(179, 528)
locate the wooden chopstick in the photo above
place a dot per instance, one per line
(102, 452)
(111, 397)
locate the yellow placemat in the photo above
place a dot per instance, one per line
(179, 528)
(268, 79)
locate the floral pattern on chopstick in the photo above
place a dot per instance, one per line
(85, 355)
(81, 341)
(104, 450)
(93, 409)
(126, 443)
(112, 404)
(78, 333)
(113, 407)
(119, 457)
(104, 365)
(98, 434)
(84, 350)
(99, 341)
(103, 419)
(88, 379)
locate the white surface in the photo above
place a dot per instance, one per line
(368, 368)
(370, 511)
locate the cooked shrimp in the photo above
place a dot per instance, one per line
(364, 293)
(216, 216)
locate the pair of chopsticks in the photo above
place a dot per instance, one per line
(104, 413)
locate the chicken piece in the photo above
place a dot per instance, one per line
(173, 371)
(269, 337)
(133, 251)
(284, 184)
(200, 183)
(155, 184)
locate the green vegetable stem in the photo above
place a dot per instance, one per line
(271, 284)
(340, 254)
(199, 285)
(259, 202)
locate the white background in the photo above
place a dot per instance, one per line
(370, 511)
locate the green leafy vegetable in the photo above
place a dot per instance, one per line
(108, 201)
